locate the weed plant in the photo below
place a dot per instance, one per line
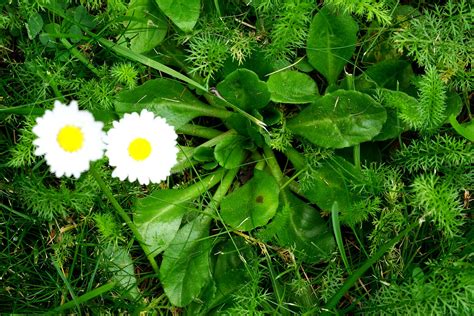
(324, 167)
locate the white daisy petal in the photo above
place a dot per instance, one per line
(69, 139)
(141, 147)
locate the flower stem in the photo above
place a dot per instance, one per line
(125, 217)
(272, 163)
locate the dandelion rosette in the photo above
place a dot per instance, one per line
(69, 139)
(141, 147)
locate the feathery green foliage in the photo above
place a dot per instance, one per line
(370, 9)
(441, 152)
(440, 202)
(441, 37)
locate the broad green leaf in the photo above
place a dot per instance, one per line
(391, 74)
(120, 265)
(166, 98)
(466, 130)
(331, 42)
(82, 17)
(305, 232)
(34, 25)
(244, 89)
(329, 184)
(292, 87)
(147, 28)
(392, 127)
(339, 119)
(185, 267)
(183, 13)
(253, 204)
(158, 217)
(231, 152)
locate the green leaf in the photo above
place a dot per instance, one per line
(34, 25)
(120, 264)
(392, 127)
(253, 204)
(391, 74)
(82, 17)
(166, 98)
(185, 267)
(183, 13)
(305, 232)
(466, 130)
(244, 89)
(158, 217)
(329, 184)
(292, 87)
(331, 42)
(339, 119)
(147, 27)
(230, 152)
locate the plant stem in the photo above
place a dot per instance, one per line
(357, 156)
(272, 163)
(125, 218)
(79, 56)
(296, 158)
(220, 193)
(199, 131)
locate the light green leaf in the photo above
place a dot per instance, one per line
(168, 99)
(185, 267)
(244, 89)
(292, 87)
(120, 264)
(147, 27)
(253, 204)
(392, 127)
(305, 232)
(466, 130)
(230, 152)
(34, 25)
(339, 119)
(158, 217)
(183, 13)
(331, 42)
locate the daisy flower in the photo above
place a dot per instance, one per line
(141, 147)
(69, 139)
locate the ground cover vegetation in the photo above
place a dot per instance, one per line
(324, 166)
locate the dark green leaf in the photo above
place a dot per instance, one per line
(82, 17)
(292, 87)
(166, 98)
(392, 127)
(34, 25)
(305, 232)
(230, 152)
(244, 89)
(331, 42)
(183, 13)
(147, 27)
(339, 119)
(253, 204)
(185, 267)
(391, 74)
(330, 184)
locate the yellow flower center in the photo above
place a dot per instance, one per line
(139, 149)
(70, 138)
